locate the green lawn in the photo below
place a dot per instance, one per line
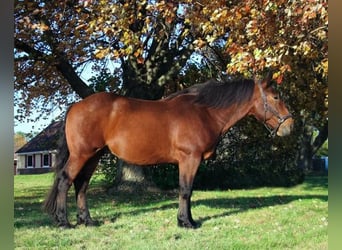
(262, 218)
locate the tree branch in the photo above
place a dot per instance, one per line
(36, 54)
(76, 83)
(62, 65)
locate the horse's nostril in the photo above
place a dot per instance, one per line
(286, 127)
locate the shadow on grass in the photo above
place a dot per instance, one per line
(315, 181)
(28, 212)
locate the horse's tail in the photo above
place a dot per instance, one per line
(50, 203)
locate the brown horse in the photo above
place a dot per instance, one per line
(183, 129)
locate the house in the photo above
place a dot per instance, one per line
(39, 154)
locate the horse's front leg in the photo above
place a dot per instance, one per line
(187, 172)
(184, 216)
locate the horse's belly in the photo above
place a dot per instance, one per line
(141, 150)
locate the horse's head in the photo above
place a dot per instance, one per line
(271, 110)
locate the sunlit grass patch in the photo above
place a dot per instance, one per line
(262, 218)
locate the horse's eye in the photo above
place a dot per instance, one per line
(276, 97)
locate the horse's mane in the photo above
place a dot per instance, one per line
(219, 94)
(194, 89)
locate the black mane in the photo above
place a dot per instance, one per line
(223, 94)
(219, 94)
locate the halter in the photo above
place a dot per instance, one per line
(267, 108)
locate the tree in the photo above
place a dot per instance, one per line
(145, 45)
(19, 140)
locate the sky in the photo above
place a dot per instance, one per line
(28, 127)
(42, 121)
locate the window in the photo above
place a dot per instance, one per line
(46, 160)
(30, 161)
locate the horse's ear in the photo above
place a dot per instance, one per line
(266, 82)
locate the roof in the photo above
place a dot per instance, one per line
(45, 141)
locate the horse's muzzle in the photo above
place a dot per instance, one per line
(286, 127)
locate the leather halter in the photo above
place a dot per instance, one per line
(267, 108)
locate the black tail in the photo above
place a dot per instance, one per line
(49, 204)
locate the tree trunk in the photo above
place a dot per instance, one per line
(131, 178)
(309, 147)
(305, 153)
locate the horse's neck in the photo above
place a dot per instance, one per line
(228, 117)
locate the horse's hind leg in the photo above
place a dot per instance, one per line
(63, 182)
(81, 184)
(62, 186)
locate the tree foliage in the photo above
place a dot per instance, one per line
(270, 34)
(20, 139)
(151, 41)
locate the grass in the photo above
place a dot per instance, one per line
(263, 218)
